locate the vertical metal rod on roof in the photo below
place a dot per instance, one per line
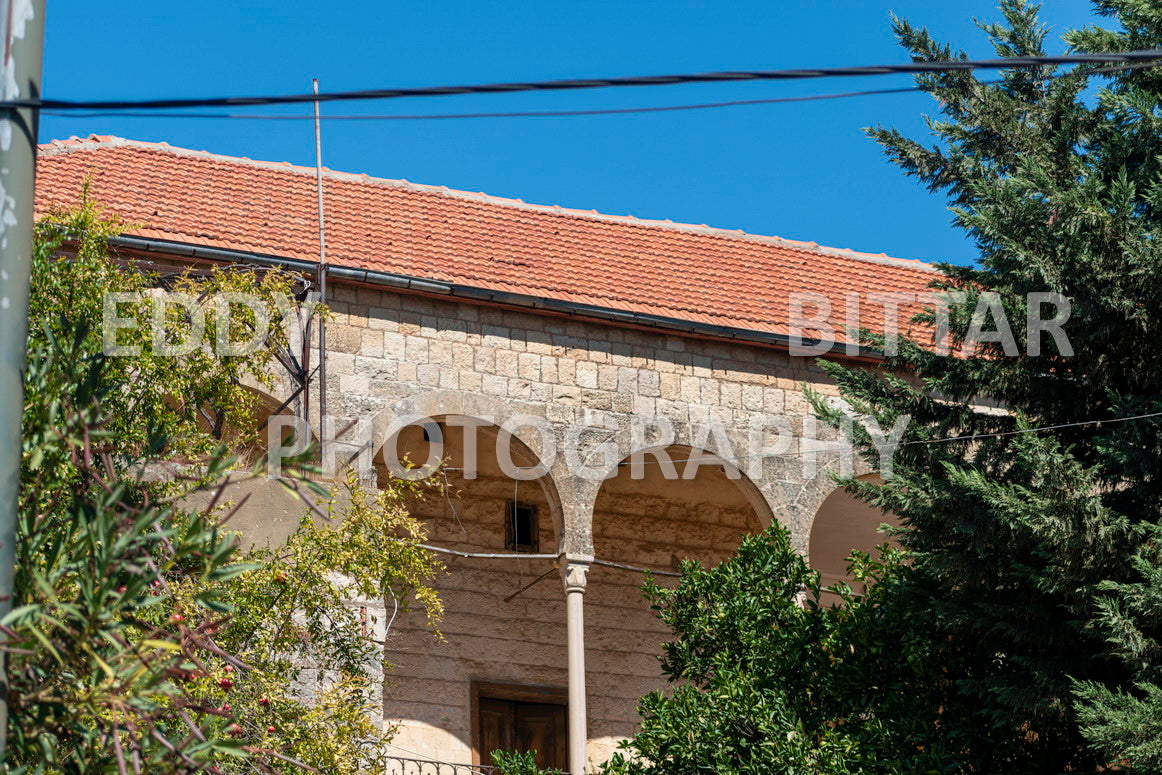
(22, 33)
(322, 274)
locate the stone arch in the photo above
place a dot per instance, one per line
(653, 521)
(484, 416)
(504, 617)
(263, 511)
(695, 477)
(252, 441)
(705, 450)
(841, 524)
(276, 394)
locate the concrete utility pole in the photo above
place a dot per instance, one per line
(22, 31)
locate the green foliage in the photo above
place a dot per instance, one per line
(1125, 721)
(192, 399)
(99, 671)
(295, 624)
(1021, 545)
(772, 674)
(1020, 632)
(143, 638)
(519, 763)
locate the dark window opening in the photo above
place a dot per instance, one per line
(520, 527)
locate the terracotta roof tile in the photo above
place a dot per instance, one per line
(695, 273)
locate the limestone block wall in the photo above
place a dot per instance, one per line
(392, 354)
(389, 351)
(655, 522)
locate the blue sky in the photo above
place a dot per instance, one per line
(802, 171)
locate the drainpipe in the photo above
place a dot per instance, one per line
(323, 409)
(574, 569)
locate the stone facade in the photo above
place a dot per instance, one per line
(392, 355)
(588, 336)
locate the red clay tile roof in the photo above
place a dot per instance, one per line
(692, 273)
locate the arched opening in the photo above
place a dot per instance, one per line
(504, 647)
(470, 503)
(249, 439)
(655, 518)
(844, 524)
(261, 510)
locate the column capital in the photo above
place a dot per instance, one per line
(574, 570)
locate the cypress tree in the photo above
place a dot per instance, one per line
(1034, 554)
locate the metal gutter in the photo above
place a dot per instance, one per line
(488, 295)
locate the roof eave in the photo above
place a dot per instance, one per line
(424, 286)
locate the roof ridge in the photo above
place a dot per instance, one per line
(96, 142)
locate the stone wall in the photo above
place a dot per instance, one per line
(393, 354)
(397, 353)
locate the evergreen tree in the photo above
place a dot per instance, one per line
(1126, 724)
(1022, 544)
(1021, 629)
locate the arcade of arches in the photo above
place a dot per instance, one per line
(502, 665)
(505, 669)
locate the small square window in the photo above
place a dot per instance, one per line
(520, 527)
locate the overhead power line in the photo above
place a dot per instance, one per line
(572, 84)
(832, 446)
(581, 112)
(493, 114)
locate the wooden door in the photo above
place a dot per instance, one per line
(509, 725)
(495, 734)
(541, 728)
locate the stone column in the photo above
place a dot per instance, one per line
(574, 569)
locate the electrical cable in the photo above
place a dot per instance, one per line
(636, 568)
(659, 572)
(500, 114)
(572, 84)
(581, 112)
(528, 556)
(967, 437)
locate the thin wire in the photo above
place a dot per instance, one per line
(912, 68)
(640, 569)
(484, 555)
(832, 448)
(502, 114)
(526, 587)
(999, 434)
(563, 113)
(622, 566)
(526, 556)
